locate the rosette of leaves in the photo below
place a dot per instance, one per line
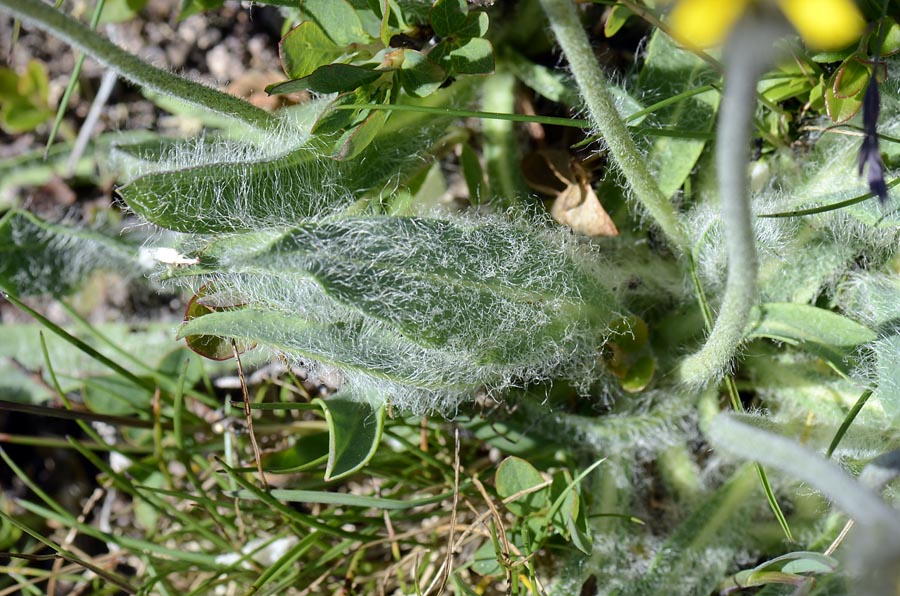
(368, 52)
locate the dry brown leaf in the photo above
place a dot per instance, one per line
(579, 208)
(576, 204)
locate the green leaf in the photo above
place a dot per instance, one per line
(824, 333)
(850, 79)
(789, 80)
(427, 304)
(35, 82)
(38, 257)
(24, 99)
(118, 11)
(309, 450)
(515, 475)
(570, 509)
(305, 48)
(890, 44)
(616, 18)
(484, 560)
(802, 562)
(329, 78)
(192, 7)
(838, 109)
(21, 116)
(384, 25)
(354, 432)
(553, 84)
(464, 56)
(802, 322)
(234, 196)
(473, 174)
(418, 75)
(669, 71)
(210, 346)
(639, 374)
(356, 140)
(448, 16)
(791, 569)
(337, 19)
(147, 515)
(334, 120)
(475, 25)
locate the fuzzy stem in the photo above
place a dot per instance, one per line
(134, 69)
(748, 53)
(737, 436)
(593, 86)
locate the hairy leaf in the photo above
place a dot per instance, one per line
(234, 196)
(822, 332)
(38, 257)
(443, 283)
(671, 71)
(421, 302)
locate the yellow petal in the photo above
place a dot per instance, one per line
(705, 23)
(825, 24)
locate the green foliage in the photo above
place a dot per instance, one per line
(336, 50)
(426, 305)
(389, 265)
(791, 569)
(24, 103)
(666, 73)
(40, 257)
(354, 431)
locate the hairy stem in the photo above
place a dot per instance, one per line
(129, 66)
(601, 107)
(737, 436)
(748, 53)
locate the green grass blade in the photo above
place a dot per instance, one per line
(73, 81)
(346, 499)
(107, 575)
(205, 561)
(826, 208)
(848, 420)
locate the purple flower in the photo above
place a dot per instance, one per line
(868, 152)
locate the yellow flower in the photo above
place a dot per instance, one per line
(823, 24)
